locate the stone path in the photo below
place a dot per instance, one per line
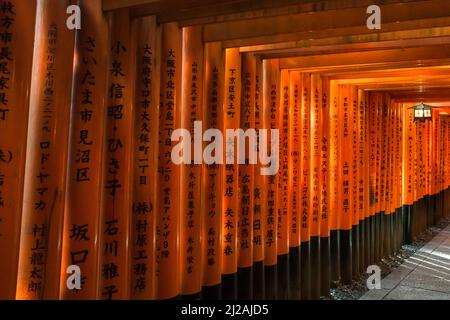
(424, 276)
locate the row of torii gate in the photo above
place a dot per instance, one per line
(87, 178)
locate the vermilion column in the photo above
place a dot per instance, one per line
(80, 242)
(354, 180)
(345, 180)
(295, 91)
(271, 85)
(45, 173)
(212, 185)
(168, 270)
(361, 178)
(247, 178)
(372, 132)
(305, 186)
(325, 189)
(315, 181)
(284, 207)
(146, 67)
(15, 94)
(334, 194)
(191, 189)
(116, 216)
(230, 209)
(259, 194)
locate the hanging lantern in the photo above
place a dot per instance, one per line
(422, 112)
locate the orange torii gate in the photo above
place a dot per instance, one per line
(356, 176)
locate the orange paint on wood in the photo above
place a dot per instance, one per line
(168, 182)
(46, 160)
(231, 110)
(305, 184)
(324, 160)
(295, 91)
(271, 84)
(334, 154)
(345, 158)
(116, 217)
(259, 192)
(284, 207)
(85, 160)
(13, 139)
(315, 154)
(212, 174)
(190, 200)
(146, 36)
(247, 170)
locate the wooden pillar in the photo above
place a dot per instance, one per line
(116, 218)
(284, 209)
(80, 244)
(190, 199)
(45, 173)
(373, 145)
(212, 173)
(168, 182)
(325, 190)
(146, 37)
(361, 178)
(345, 179)
(408, 174)
(259, 194)
(271, 78)
(305, 187)
(367, 193)
(315, 181)
(354, 180)
(231, 110)
(247, 179)
(295, 91)
(334, 187)
(19, 25)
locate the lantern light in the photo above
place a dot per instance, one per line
(422, 112)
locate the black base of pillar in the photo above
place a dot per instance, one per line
(382, 228)
(429, 207)
(398, 229)
(407, 224)
(355, 251)
(270, 277)
(447, 203)
(283, 277)
(314, 257)
(335, 258)
(346, 256)
(414, 224)
(387, 235)
(230, 286)
(367, 242)
(195, 296)
(325, 266)
(372, 223)
(362, 246)
(258, 281)
(295, 274)
(245, 283)
(305, 268)
(212, 292)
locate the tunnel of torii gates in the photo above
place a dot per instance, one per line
(86, 117)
